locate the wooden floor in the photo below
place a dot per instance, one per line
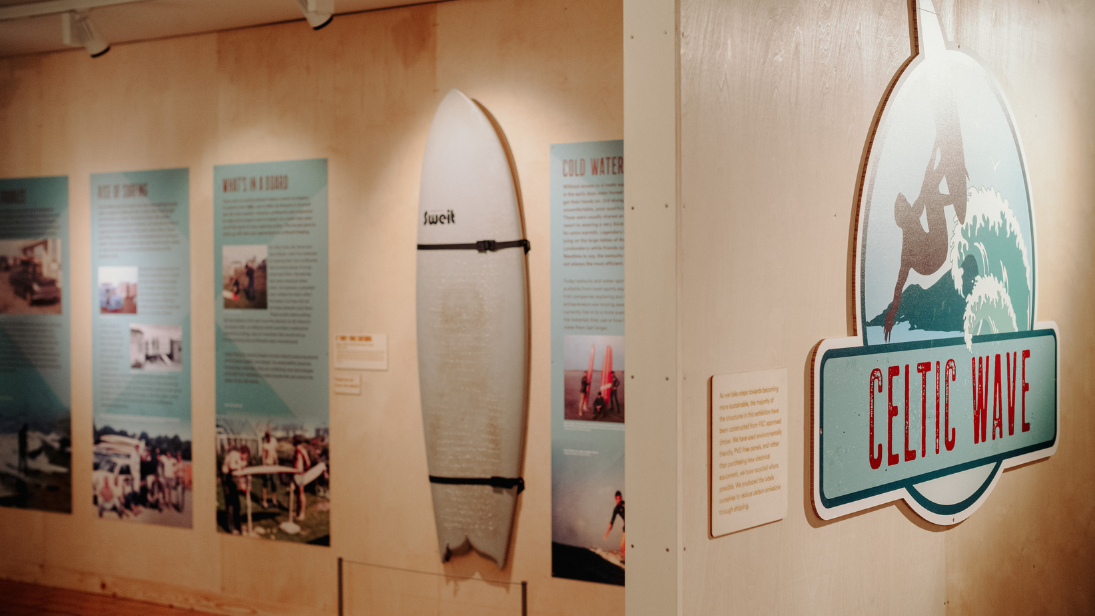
(18, 599)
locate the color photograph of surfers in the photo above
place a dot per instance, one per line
(35, 462)
(593, 378)
(243, 269)
(273, 481)
(30, 276)
(142, 471)
(117, 290)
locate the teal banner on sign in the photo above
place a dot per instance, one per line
(140, 341)
(270, 233)
(899, 415)
(587, 361)
(35, 379)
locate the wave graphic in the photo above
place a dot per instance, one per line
(989, 251)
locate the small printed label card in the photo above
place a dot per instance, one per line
(748, 450)
(361, 351)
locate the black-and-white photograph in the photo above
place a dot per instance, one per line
(155, 348)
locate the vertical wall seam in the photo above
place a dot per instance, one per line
(679, 284)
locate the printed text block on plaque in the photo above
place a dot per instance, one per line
(361, 351)
(748, 450)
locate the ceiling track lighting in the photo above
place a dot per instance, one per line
(319, 13)
(78, 31)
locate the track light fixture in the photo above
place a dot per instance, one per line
(78, 31)
(319, 13)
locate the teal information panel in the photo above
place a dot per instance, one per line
(140, 340)
(270, 234)
(35, 364)
(587, 361)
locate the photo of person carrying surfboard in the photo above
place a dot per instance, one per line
(244, 276)
(273, 481)
(593, 378)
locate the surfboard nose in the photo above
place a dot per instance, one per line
(453, 106)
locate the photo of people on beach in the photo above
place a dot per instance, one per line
(155, 348)
(593, 378)
(117, 290)
(36, 461)
(30, 276)
(244, 276)
(273, 480)
(142, 470)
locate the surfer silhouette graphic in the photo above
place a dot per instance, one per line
(945, 179)
(926, 250)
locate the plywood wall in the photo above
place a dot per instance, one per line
(360, 93)
(776, 103)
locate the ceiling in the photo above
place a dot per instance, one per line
(122, 21)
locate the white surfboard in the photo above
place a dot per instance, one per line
(270, 469)
(473, 330)
(120, 440)
(612, 557)
(310, 475)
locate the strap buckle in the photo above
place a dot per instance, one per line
(486, 245)
(508, 484)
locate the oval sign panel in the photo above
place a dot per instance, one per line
(951, 379)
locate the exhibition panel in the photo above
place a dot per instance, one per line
(140, 273)
(35, 390)
(270, 276)
(587, 372)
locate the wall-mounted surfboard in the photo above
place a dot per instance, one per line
(473, 330)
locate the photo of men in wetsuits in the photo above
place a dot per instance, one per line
(590, 392)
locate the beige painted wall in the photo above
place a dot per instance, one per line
(360, 93)
(776, 102)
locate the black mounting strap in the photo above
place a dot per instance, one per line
(505, 483)
(480, 246)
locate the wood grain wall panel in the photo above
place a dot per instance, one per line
(776, 103)
(1031, 547)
